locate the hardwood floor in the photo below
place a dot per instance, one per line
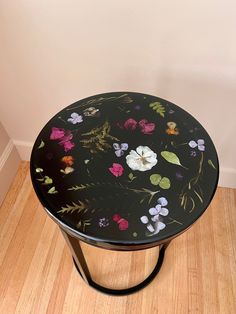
(37, 274)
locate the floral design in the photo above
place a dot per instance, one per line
(68, 160)
(67, 170)
(172, 129)
(63, 137)
(156, 224)
(103, 222)
(107, 165)
(142, 159)
(116, 169)
(144, 126)
(200, 144)
(130, 124)
(123, 223)
(75, 118)
(91, 112)
(120, 148)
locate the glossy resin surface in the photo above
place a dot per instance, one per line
(124, 168)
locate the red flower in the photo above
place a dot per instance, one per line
(123, 223)
(130, 124)
(116, 217)
(116, 169)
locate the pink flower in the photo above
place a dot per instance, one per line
(130, 124)
(116, 169)
(144, 125)
(64, 138)
(57, 133)
(123, 223)
(68, 136)
(67, 145)
(146, 128)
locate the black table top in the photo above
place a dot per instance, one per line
(124, 169)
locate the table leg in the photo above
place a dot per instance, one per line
(78, 256)
(82, 267)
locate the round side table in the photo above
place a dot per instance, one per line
(123, 171)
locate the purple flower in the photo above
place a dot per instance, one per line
(193, 153)
(103, 222)
(120, 148)
(199, 144)
(156, 224)
(75, 118)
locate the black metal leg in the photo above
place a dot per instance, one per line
(81, 266)
(78, 256)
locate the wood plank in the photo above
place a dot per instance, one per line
(37, 273)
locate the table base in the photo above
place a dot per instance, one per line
(82, 268)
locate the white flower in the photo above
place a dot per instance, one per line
(142, 159)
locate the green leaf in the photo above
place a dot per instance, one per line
(47, 180)
(171, 158)
(164, 183)
(155, 178)
(52, 190)
(39, 170)
(41, 180)
(130, 175)
(160, 109)
(211, 164)
(42, 144)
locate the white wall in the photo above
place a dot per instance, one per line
(54, 52)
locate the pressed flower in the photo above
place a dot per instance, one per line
(142, 159)
(67, 145)
(120, 148)
(67, 170)
(103, 222)
(130, 124)
(123, 223)
(172, 129)
(116, 169)
(64, 138)
(75, 118)
(193, 153)
(57, 133)
(91, 112)
(146, 127)
(68, 160)
(200, 144)
(156, 224)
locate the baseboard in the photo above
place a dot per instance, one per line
(9, 162)
(24, 149)
(227, 175)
